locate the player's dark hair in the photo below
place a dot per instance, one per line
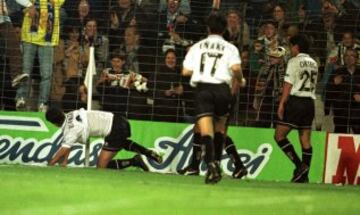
(216, 23)
(302, 42)
(55, 116)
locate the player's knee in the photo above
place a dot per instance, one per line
(305, 144)
(220, 127)
(279, 137)
(101, 164)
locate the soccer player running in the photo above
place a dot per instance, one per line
(194, 166)
(296, 108)
(79, 125)
(212, 63)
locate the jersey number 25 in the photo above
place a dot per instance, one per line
(308, 79)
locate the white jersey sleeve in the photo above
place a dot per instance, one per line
(290, 75)
(234, 57)
(71, 137)
(75, 128)
(189, 62)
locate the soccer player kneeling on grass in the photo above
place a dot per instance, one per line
(79, 125)
(296, 108)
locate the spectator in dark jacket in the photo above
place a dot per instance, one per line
(168, 90)
(343, 95)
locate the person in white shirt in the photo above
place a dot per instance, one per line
(212, 63)
(296, 108)
(79, 125)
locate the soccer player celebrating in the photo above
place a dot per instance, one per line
(79, 125)
(296, 108)
(212, 63)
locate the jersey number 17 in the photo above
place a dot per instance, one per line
(207, 57)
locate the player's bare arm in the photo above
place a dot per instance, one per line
(238, 75)
(62, 153)
(186, 72)
(284, 98)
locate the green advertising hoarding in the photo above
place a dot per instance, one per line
(27, 138)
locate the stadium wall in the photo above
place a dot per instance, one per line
(26, 138)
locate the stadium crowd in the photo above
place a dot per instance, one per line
(140, 46)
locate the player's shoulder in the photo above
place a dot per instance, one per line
(231, 46)
(293, 60)
(312, 60)
(198, 44)
(308, 58)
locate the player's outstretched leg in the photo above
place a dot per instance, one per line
(138, 162)
(135, 161)
(230, 148)
(130, 145)
(193, 167)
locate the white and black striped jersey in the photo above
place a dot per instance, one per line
(210, 60)
(81, 124)
(302, 73)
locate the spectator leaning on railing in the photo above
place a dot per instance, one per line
(40, 33)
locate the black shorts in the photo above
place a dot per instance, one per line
(120, 131)
(212, 100)
(299, 112)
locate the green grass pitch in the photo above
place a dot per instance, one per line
(56, 190)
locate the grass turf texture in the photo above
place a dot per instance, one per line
(56, 190)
